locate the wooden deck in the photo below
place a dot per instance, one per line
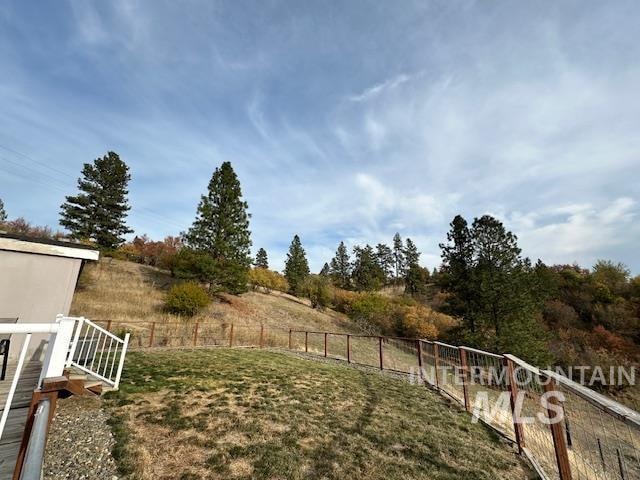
(10, 441)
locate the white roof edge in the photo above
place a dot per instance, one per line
(14, 245)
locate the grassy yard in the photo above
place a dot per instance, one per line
(251, 414)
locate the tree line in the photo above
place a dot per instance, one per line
(503, 301)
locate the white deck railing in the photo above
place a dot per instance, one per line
(97, 352)
(73, 342)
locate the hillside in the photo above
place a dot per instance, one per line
(128, 292)
(265, 415)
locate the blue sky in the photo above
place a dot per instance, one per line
(344, 120)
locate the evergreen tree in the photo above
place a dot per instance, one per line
(385, 260)
(411, 255)
(326, 270)
(415, 280)
(261, 259)
(455, 274)
(221, 229)
(341, 267)
(296, 268)
(398, 256)
(367, 274)
(99, 212)
(3, 213)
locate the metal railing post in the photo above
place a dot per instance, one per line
(436, 364)
(325, 344)
(559, 442)
(465, 377)
(290, 343)
(381, 354)
(513, 395)
(419, 350)
(348, 348)
(306, 342)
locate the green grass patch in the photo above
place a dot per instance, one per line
(252, 414)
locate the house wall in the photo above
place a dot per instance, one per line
(35, 288)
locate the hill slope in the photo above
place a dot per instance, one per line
(129, 292)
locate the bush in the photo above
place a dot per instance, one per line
(268, 279)
(317, 289)
(186, 298)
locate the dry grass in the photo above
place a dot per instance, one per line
(264, 415)
(130, 293)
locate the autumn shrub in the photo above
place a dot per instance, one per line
(267, 279)
(186, 298)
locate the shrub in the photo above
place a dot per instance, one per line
(267, 279)
(317, 289)
(186, 298)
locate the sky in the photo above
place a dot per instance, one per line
(346, 120)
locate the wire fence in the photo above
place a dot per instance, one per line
(566, 430)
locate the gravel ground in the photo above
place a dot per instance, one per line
(80, 441)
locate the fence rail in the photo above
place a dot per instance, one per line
(595, 438)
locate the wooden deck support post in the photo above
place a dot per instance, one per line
(513, 393)
(152, 333)
(557, 433)
(109, 325)
(465, 378)
(381, 354)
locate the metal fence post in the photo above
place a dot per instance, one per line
(436, 364)
(465, 377)
(513, 394)
(419, 349)
(290, 343)
(381, 355)
(261, 335)
(348, 348)
(231, 336)
(559, 442)
(152, 333)
(325, 344)
(306, 342)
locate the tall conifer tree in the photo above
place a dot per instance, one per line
(261, 259)
(221, 229)
(341, 267)
(296, 267)
(99, 211)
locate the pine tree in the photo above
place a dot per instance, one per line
(296, 267)
(341, 267)
(261, 259)
(398, 256)
(3, 213)
(99, 212)
(221, 229)
(367, 274)
(326, 270)
(385, 260)
(411, 255)
(455, 275)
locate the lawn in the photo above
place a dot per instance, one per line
(253, 414)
